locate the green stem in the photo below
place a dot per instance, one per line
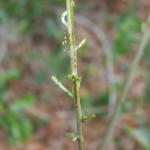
(76, 83)
(134, 66)
(60, 85)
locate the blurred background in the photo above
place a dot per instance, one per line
(34, 113)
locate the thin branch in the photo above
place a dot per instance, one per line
(57, 82)
(111, 125)
(74, 73)
(80, 44)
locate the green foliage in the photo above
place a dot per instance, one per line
(29, 14)
(74, 78)
(8, 75)
(142, 136)
(29, 8)
(72, 135)
(86, 99)
(126, 27)
(88, 116)
(93, 101)
(102, 99)
(13, 119)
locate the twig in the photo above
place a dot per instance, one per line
(111, 125)
(74, 73)
(76, 80)
(57, 82)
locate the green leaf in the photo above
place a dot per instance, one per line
(72, 135)
(9, 75)
(26, 127)
(88, 116)
(18, 127)
(142, 136)
(13, 129)
(23, 103)
(126, 27)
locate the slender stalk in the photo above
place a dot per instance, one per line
(109, 130)
(60, 85)
(74, 72)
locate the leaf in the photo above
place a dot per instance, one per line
(13, 129)
(88, 116)
(26, 127)
(72, 135)
(142, 136)
(23, 103)
(9, 75)
(126, 28)
(18, 127)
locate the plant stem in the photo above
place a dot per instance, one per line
(119, 105)
(60, 85)
(74, 72)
